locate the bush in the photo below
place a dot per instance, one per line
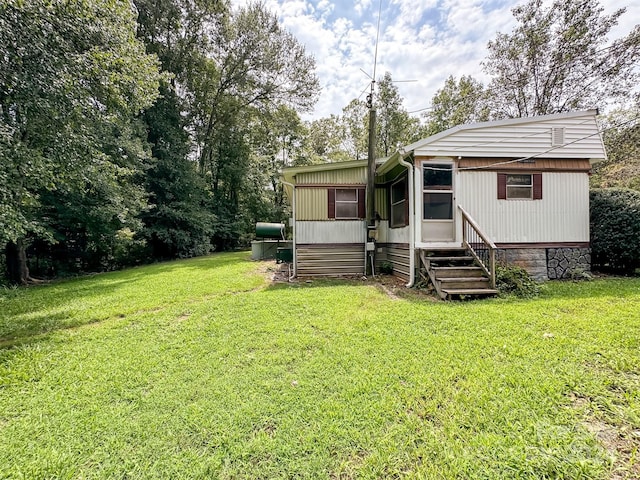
(386, 267)
(615, 230)
(512, 280)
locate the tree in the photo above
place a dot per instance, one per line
(324, 141)
(622, 141)
(457, 103)
(394, 126)
(254, 65)
(558, 59)
(276, 142)
(181, 33)
(354, 120)
(178, 221)
(251, 69)
(615, 229)
(72, 77)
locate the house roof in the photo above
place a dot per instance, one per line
(528, 137)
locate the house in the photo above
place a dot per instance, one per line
(514, 190)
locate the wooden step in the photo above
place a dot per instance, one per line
(448, 258)
(445, 253)
(455, 272)
(485, 292)
(463, 282)
(459, 271)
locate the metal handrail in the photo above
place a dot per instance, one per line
(480, 246)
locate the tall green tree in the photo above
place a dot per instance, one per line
(72, 78)
(354, 121)
(256, 64)
(558, 58)
(456, 103)
(253, 68)
(182, 33)
(394, 125)
(324, 141)
(276, 142)
(178, 221)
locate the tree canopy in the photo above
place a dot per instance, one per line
(558, 58)
(464, 101)
(154, 130)
(73, 77)
(129, 134)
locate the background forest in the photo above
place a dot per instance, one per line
(137, 132)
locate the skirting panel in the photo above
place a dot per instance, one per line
(398, 255)
(330, 260)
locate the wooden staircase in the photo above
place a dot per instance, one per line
(455, 273)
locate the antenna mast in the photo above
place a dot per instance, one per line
(371, 157)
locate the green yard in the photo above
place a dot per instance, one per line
(205, 369)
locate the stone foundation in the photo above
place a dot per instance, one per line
(563, 262)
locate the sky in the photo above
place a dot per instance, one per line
(421, 42)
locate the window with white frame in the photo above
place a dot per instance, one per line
(437, 191)
(519, 186)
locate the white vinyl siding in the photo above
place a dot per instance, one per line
(519, 139)
(562, 215)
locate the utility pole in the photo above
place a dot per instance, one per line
(371, 159)
(371, 186)
(372, 233)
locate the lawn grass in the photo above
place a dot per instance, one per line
(205, 369)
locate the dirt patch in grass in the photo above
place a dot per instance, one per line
(274, 272)
(620, 441)
(394, 287)
(621, 445)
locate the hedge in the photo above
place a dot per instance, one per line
(615, 229)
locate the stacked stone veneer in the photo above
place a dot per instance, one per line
(547, 263)
(563, 262)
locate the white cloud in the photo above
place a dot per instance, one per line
(422, 40)
(361, 6)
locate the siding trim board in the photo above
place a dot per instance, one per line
(330, 185)
(328, 246)
(538, 165)
(509, 246)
